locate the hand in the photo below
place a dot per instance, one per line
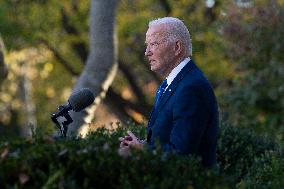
(131, 141)
(123, 141)
(124, 148)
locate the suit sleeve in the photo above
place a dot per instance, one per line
(189, 121)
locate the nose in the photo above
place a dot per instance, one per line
(148, 52)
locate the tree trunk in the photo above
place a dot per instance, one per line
(101, 65)
(28, 107)
(3, 68)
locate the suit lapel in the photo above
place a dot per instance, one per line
(170, 90)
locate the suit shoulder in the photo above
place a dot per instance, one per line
(196, 78)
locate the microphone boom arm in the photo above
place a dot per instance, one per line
(63, 111)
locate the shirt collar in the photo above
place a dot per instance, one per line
(176, 70)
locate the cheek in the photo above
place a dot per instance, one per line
(160, 57)
(169, 53)
(165, 55)
(160, 53)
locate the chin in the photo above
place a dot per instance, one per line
(157, 71)
(154, 69)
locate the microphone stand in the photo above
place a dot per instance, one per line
(64, 127)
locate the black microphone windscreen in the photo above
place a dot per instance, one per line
(79, 100)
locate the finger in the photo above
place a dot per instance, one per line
(123, 145)
(127, 142)
(128, 138)
(131, 134)
(125, 138)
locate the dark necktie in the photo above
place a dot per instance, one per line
(159, 95)
(160, 92)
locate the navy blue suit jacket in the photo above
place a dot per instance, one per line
(186, 119)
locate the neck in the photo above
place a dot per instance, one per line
(172, 66)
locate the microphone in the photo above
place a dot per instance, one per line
(78, 101)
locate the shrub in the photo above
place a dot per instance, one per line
(238, 149)
(93, 162)
(266, 172)
(246, 161)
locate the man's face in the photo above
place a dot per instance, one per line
(160, 53)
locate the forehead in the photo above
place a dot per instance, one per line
(156, 31)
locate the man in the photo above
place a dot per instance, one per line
(185, 116)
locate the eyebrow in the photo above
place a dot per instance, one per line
(146, 43)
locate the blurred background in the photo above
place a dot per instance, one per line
(45, 45)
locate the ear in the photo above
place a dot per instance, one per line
(178, 48)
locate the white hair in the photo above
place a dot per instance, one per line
(176, 30)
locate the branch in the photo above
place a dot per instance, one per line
(59, 57)
(210, 12)
(117, 105)
(79, 47)
(132, 81)
(117, 101)
(166, 6)
(126, 103)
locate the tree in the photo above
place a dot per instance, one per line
(3, 67)
(61, 27)
(254, 42)
(101, 65)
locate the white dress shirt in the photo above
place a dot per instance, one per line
(176, 70)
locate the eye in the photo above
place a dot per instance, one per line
(154, 44)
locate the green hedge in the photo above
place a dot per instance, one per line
(237, 150)
(246, 161)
